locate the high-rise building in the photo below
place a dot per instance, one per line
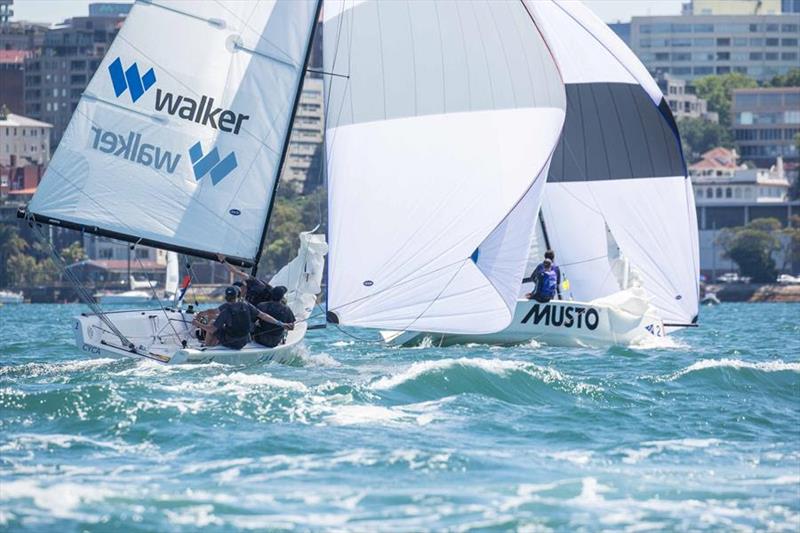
(691, 46)
(5, 11)
(303, 160)
(790, 6)
(765, 123)
(12, 77)
(622, 29)
(732, 7)
(56, 77)
(19, 35)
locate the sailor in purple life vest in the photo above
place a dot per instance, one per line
(546, 281)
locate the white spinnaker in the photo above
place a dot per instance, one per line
(626, 172)
(438, 147)
(110, 170)
(172, 281)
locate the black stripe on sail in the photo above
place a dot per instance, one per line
(615, 131)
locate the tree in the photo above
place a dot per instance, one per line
(793, 253)
(716, 90)
(11, 244)
(699, 135)
(73, 253)
(790, 79)
(751, 248)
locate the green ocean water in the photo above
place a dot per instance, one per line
(701, 435)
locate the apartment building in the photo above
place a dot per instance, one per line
(765, 123)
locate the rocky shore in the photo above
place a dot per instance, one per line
(755, 292)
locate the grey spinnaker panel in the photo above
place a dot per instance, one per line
(614, 131)
(418, 58)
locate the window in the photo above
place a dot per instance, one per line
(789, 42)
(757, 41)
(142, 253)
(723, 56)
(699, 192)
(789, 56)
(719, 192)
(681, 71)
(662, 56)
(710, 192)
(771, 56)
(728, 193)
(105, 253)
(739, 41)
(754, 28)
(702, 71)
(723, 41)
(789, 28)
(704, 28)
(745, 117)
(723, 70)
(681, 42)
(707, 42)
(772, 41)
(680, 56)
(772, 27)
(770, 100)
(703, 56)
(791, 117)
(756, 56)
(738, 192)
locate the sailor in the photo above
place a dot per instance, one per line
(268, 334)
(551, 255)
(546, 283)
(235, 320)
(253, 289)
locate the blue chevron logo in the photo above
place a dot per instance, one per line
(211, 163)
(130, 79)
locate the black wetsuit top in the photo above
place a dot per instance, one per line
(271, 335)
(234, 324)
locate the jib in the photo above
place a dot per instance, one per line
(566, 316)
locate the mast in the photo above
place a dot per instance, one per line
(285, 147)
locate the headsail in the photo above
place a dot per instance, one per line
(178, 139)
(441, 121)
(618, 165)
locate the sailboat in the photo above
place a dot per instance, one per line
(178, 143)
(449, 126)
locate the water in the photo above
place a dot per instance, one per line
(701, 435)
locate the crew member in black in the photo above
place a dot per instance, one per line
(268, 334)
(253, 290)
(235, 320)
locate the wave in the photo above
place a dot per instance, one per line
(46, 369)
(735, 364)
(505, 380)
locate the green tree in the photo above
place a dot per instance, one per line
(11, 244)
(716, 90)
(699, 135)
(790, 79)
(73, 253)
(21, 270)
(751, 248)
(793, 253)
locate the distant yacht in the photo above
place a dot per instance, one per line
(8, 297)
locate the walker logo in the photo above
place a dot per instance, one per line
(203, 164)
(130, 79)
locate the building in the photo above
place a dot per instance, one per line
(765, 123)
(12, 79)
(56, 77)
(23, 140)
(682, 100)
(728, 194)
(790, 6)
(692, 46)
(622, 29)
(303, 157)
(732, 7)
(5, 10)
(19, 35)
(109, 9)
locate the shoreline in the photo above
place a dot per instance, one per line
(755, 292)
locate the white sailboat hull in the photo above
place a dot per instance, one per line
(159, 335)
(134, 297)
(556, 323)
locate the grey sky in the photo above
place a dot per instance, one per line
(608, 10)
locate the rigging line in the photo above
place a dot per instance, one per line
(217, 23)
(155, 294)
(82, 293)
(169, 181)
(326, 73)
(191, 90)
(447, 285)
(259, 34)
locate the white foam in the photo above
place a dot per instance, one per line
(222, 464)
(60, 500)
(27, 441)
(659, 446)
(576, 457)
(763, 366)
(44, 369)
(196, 516)
(346, 415)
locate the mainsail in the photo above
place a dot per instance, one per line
(618, 168)
(179, 138)
(442, 118)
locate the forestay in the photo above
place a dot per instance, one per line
(619, 166)
(441, 121)
(177, 140)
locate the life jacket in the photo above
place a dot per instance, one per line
(239, 325)
(546, 285)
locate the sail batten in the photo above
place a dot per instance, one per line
(179, 138)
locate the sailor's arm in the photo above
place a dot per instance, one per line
(264, 317)
(233, 270)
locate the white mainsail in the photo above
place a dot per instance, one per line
(178, 139)
(442, 118)
(619, 166)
